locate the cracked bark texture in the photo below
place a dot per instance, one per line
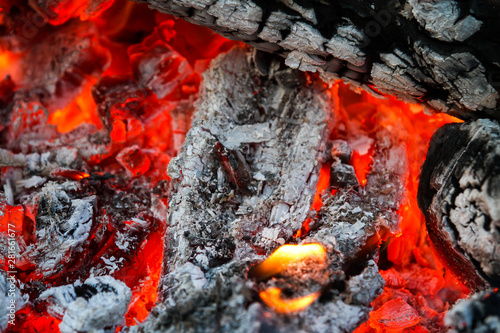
(459, 193)
(442, 53)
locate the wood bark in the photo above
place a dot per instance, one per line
(444, 54)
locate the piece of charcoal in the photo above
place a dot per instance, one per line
(343, 175)
(341, 150)
(157, 66)
(61, 71)
(444, 54)
(98, 304)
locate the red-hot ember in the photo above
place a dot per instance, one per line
(126, 83)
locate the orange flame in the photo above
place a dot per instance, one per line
(81, 110)
(287, 255)
(272, 298)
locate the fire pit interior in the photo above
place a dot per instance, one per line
(309, 174)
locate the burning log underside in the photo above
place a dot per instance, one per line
(460, 194)
(242, 185)
(442, 53)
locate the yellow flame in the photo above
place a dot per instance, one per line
(272, 298)
(287, 255)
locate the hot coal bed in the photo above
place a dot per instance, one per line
(333, 166)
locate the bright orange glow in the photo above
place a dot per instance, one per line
(362, 165)
(418, 289)
(144, 295)
(272, 298)
(81, 110)
(9, 64)
(70, 174)
(288, 255)
(323, 183)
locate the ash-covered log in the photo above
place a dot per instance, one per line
(459, 194)
(242, 186)
(442, 53)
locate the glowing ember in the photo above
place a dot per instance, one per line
(286, 256)
(272, 298)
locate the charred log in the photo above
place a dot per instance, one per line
(459, 195)
(442, 53)
(250, 125)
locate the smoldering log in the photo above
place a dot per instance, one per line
(445, 54)
(249, 125)
(459, 194)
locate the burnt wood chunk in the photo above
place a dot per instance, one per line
(445, 54)
(252, 125)
(459, 194)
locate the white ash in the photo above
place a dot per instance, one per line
(476, 314)
(10, 297)
(63, 225)
(96, 305)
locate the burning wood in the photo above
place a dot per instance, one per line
(217, 229)
(459, 196)
(442, 53)
(286, 203)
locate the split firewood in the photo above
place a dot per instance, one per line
(445, 54)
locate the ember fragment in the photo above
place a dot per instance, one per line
(343, 175)
(134, 161)
(341, 150)
(69, 174)
(99, 302)
(395, 315)
(61, 71)
(236, 167)
(156, 65)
